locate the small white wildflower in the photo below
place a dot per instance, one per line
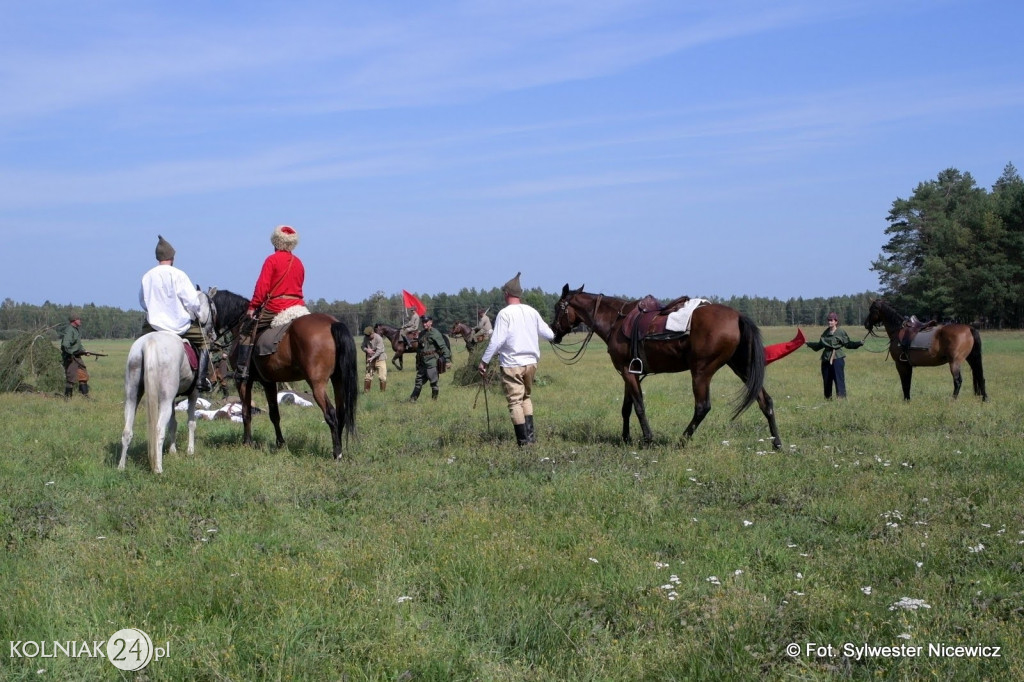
(747, 523)
(403, 599)
(674, 579)
(101, 537)
(668, 586)
(799, 575)
(672, 596)
(658, 564)
(799, 594)
(725, 442)
(738, 571)
(451, 460)
(977, 548)
(909, 604)
(713, 579)
(986, 525)
(791, 545)
(919, 564)
(593, 560)
(866, 590)
(48, 483)
(904, 635)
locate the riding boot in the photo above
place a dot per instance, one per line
(203, 381)
(242, 362)
(383, 386)
(521, 437)
(531, 435)
(433, 393)
(83, 388)
(367, 383)
(415, 395)
(69, 390)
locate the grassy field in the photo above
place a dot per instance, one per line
(441, 551)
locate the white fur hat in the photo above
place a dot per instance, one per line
(284, 238)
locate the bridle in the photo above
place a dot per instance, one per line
(560, 350)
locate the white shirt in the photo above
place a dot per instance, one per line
(515, 337)
(169, 299)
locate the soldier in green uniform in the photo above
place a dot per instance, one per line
(431, 348)
(71, 352)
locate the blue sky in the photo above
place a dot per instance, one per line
(665, 147)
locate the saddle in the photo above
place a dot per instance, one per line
(647, 321)
(190, 353)
(916, 334)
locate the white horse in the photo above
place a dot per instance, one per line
(158, 368)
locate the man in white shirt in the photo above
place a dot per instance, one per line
(172, 304)
(517, 329)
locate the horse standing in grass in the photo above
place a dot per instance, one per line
(159, 369)
(950, 343)
(316, 348)
(719, 336)
(398, 344)
(466, 332)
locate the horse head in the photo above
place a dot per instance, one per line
(882, 313)
(566, 317)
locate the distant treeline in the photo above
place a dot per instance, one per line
(106, 322)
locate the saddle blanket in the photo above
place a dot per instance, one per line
(923, 340)
(266, 344)
(679, 321)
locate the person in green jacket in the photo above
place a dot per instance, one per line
(71, 353)
(431, 348)
(833, 363)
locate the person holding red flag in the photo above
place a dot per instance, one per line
(414, 309)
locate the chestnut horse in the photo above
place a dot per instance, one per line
(466, 332)
(316, 347)
(398, 344)
(718, 336)
(951, 343)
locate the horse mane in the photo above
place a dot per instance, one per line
(230, 308)
(889, 314)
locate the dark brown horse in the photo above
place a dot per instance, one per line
(719, 336)
(398, 344)
(466, 332)
(317, 348)
(951, 343)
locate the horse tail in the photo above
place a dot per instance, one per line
(749, 355)
(345, 372)
(974, 360)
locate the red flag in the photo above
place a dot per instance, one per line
(411, 301)
(778, 351)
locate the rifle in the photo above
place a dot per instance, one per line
(95, 355)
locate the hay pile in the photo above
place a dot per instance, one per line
(30, 362)
(466, 375)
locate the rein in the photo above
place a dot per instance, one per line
(559, 349)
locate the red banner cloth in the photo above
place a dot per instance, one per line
(777, 351)
(411, 301)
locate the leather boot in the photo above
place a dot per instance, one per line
(83, 388)
(383, 386)
(433, 393)
(531, 435)
(242, 362)
(521, 437)
(203, 381)
(415, 395)
(69, 390)
(367, 383)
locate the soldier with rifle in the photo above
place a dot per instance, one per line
(71, 354)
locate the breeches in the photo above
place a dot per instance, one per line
(74, 370)
(518, 385)
(424, 374)
(378, 367)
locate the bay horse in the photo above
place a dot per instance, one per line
(719, 336)
(466, 332)
(398, 345)
(159, 369)
(951, 343)
(316, 347)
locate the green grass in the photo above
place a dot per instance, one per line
(440, 551)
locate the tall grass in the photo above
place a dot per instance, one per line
(441, 551)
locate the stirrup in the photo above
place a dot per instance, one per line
(636, 366)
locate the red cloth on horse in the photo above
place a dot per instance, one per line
(280, 283)
(780, 350)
